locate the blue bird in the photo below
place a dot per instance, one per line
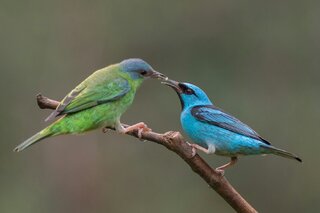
(215, 131)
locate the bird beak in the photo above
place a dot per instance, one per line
(173, 84)
(158, 75)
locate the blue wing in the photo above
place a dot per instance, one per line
(215, 116)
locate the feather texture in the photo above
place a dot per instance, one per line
(217, 131)
(98, 101)
(215, 116)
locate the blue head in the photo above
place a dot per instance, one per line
(139, 69)
(189, 94)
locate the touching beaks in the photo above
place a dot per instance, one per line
(173, 84)
(158, 75)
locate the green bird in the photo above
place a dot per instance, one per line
(99, 101)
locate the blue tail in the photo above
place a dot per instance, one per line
(281, 152)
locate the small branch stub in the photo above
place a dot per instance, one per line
(46, 103)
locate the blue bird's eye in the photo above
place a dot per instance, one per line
(186, 90)
(189, 91)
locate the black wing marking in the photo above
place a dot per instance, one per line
(215, 116)
(65, 102)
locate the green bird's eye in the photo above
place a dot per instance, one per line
(143, 72)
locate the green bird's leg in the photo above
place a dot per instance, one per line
(141, 127)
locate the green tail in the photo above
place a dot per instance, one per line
(282, 153)
(36, 138)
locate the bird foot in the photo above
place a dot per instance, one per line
(140, 127)
(193, 150)
(222, 168)
(105, 129)
(220, 171)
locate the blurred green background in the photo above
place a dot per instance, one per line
(259, 60)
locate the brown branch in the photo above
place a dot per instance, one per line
(175, 142)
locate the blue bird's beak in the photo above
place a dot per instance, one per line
(173, 84)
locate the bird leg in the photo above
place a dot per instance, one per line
(222, 168)
(105, 129)
(193, 150)
(198, 147)
(141, 127)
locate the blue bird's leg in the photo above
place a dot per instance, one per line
(196, 146)
(193, 151)
(222, 168)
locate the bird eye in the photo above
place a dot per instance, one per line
(188, 91)
(143, 72)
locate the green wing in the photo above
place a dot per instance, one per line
(89, 94)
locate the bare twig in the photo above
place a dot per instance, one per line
(175, 142)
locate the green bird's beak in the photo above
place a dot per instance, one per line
(158, 75)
